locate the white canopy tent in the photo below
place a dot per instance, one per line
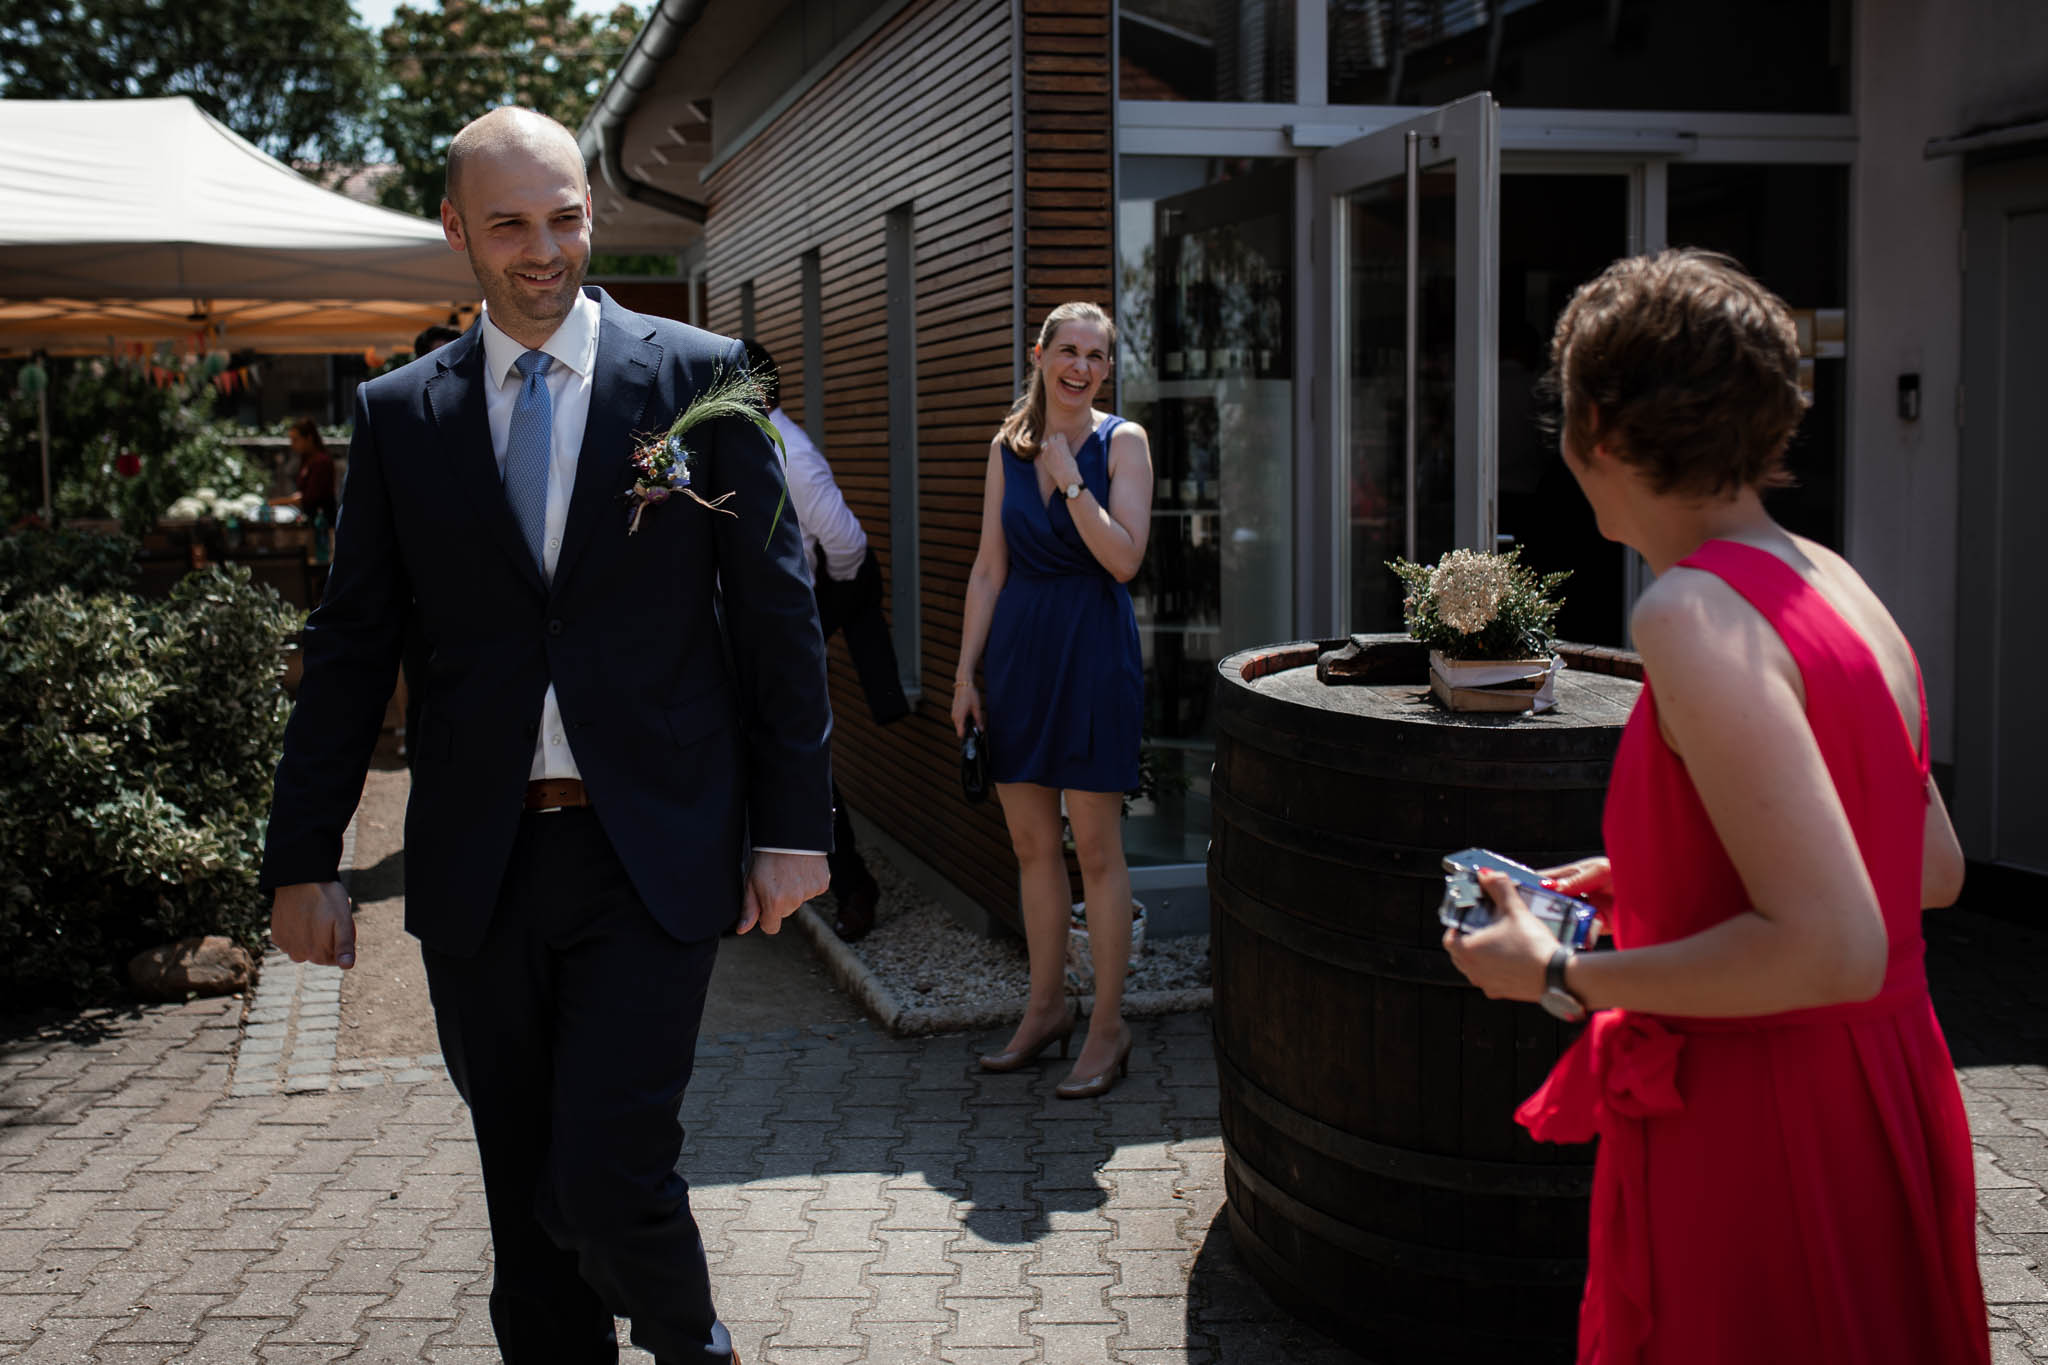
(147, 220)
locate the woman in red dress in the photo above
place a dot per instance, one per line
(1784, 1170)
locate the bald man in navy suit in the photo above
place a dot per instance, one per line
(610, 722)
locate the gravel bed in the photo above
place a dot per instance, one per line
(939, 975)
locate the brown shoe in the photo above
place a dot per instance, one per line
(856, 916)
(1104, 1081)
(1027, 1053)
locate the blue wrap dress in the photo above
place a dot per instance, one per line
(1066, 680)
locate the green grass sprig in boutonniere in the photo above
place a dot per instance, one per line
(663, 463)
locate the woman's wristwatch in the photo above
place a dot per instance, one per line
(1072, 490)
(1557, 997)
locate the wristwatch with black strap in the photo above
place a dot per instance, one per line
(1557, 997)
(1072, 490)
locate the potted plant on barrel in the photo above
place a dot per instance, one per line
(1486, 620)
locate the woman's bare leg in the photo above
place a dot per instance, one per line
(1033, 814)
(1097, 818)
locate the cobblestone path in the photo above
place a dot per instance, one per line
(863, 1199)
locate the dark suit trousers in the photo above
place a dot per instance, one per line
(571, 1035)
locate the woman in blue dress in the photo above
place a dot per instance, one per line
(1064, 518)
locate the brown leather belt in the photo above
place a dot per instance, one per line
(556, 793)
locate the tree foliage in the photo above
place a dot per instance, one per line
(299, 78)
(448, 65)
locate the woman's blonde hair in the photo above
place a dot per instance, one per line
(1024, 428)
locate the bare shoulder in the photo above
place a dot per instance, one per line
(1693, 630)
(1128, 443)
(1682, 602)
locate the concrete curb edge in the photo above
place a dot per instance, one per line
(875, 999)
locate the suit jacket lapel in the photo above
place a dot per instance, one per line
(456, 398)
(627, 362)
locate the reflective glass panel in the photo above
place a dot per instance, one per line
(1730, 56)
(1205, 363)
(1375, 376)
(1229, 50)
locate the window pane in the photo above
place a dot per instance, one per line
(1730, 56)
(1231, 50)
(1205, 363)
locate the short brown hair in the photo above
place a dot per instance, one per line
(1683, 365)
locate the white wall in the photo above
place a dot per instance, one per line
(1905, 317)
(1923, 69)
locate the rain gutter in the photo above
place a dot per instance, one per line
(604, 133)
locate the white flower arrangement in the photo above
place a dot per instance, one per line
(206, 504)
(1486, 619)
(1480, 606)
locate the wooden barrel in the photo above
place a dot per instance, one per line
(1377, 1181)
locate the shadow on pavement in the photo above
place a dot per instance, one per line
(1022, 1164)
(1231, 1309)
(1989, 979)
(36, 1033)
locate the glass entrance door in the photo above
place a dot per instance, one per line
(1206, 363)
(1408, 220)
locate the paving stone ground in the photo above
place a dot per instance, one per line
(863, 1198)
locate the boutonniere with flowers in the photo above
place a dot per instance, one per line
(663, 463)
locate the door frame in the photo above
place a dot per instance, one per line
(1985, 611)
(1465, 134)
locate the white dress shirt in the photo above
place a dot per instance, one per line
(574, 347)
(821, 511)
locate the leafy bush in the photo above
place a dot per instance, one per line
(44, 561)
(134, 782)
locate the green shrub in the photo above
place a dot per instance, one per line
(134, 782)
(44, 561)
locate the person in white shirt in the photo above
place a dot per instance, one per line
(848, 582)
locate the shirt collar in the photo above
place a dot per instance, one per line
(574, 343)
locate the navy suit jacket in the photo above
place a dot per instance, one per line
(686, 657)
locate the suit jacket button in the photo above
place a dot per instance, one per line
(555, 626)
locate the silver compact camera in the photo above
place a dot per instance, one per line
(1575, 922)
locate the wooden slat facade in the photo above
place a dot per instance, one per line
(921, 115)
(1069, 122)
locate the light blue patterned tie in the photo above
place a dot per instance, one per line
(528, 448)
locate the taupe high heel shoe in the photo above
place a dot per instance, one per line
(1102, 1082)
(1018, 1057)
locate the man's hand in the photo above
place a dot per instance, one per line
(779, 883)
(313, 922)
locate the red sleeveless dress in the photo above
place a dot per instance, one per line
(1796, 1187)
